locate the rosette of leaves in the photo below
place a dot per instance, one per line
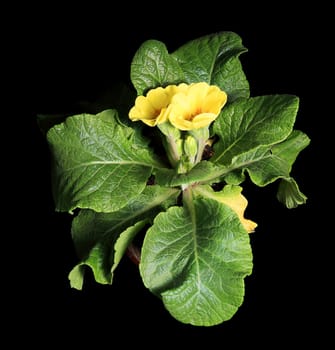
(114, 177)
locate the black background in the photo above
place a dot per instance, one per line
(60, 57)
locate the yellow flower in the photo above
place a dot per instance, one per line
(187, 107)
(151, 109)
(232, 197)
(195, 106)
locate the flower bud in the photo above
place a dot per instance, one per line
(289, 193)
(190, 147)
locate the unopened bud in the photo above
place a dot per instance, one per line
(190, 147)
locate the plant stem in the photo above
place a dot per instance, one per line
(173, 151)
(201, 147)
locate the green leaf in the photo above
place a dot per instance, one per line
(196, 260)
(103, 259)
(100, 239)
(98, 163)
(152, 66)
(214, 59)
(89, 227)
(267, 164)
(250, 123)
(203, 171)
(76, 276)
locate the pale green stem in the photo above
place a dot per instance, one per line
(201, 147)
(172, 151)
(201, 135)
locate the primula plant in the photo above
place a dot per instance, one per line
(160, 179)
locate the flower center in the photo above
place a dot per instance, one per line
(190, 116)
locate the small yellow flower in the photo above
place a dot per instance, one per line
(151, 109)
(195, 106)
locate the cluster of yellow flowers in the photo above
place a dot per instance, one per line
(191, 108)
(185, 106)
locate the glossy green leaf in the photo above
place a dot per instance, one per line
(170, 177)
(103, 258)
(204, 171)
(100, 239)
(153, 66)
(214, 59)
(250, 123)
(99, 163)
(196, 260)
(267, 164)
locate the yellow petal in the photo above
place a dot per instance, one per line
(215, 100)
(151, 109)
(158, 98)
(196, 106)
(203, 119)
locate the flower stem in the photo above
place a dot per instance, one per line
(201, 147)
(172, 151)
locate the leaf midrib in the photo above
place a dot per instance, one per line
(108, 162)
